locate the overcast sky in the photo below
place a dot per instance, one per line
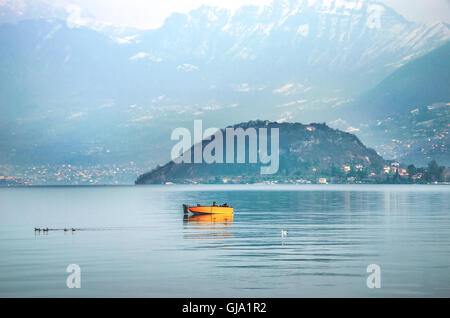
(422, 10)
(151, 13)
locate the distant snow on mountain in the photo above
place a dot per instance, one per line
(289, 60)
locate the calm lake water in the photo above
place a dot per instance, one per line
(134, 242)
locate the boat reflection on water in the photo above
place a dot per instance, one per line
(209, 218)
(209, 226)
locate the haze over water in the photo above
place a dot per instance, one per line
(134, 241)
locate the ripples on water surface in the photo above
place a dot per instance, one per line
(134, 241)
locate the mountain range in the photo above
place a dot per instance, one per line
(406, 116)
(420, 82)
(90, 94)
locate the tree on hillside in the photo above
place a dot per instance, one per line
(434, 172)
(412, 170)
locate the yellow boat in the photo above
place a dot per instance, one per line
(214, 209)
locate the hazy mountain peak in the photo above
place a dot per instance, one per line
(291, 60)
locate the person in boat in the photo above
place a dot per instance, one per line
(214, 203)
